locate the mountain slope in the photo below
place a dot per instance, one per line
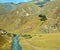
(23, 14)
(6, 7)
(25, 19)
(52, 11)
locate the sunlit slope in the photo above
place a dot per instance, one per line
(52, 12)
(24, 19)
(4, 39)
(14, 21)
(51, 7)
(41, 42)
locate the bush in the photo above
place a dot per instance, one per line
(42, 17)
(27, 36)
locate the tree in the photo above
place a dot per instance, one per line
(42, 17)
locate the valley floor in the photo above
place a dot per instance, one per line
(40, 42)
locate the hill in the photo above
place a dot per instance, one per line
(52, 12)
(25, 18)
(23, 14)
(6, 7)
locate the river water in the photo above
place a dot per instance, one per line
(15, 43)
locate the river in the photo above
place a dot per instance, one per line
(15, 43)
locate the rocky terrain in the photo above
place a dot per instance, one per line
(34, 24)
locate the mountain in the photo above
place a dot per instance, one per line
(19, 17)
(40, 3)
(6, 7)
(52, 12)
(25, 18)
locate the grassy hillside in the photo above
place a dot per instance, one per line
(39, 41)
(51, 7)
(25, 18)
(52, 12)
(20, 16)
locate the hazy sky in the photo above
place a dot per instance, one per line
(15, 1)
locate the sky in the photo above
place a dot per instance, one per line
(14, 1)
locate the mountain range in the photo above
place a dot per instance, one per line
(25, 16)
(7, 7)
